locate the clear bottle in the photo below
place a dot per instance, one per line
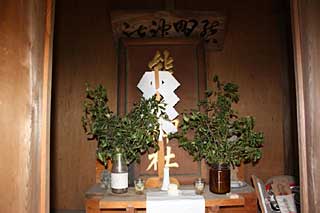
(119, 175)
(105, 179)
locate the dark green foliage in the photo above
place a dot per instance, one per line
(216, 133)
(131, 134)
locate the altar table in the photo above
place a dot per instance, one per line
(98, 200)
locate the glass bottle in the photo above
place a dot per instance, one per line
(199, 185)
(105, 179)
(119, 175)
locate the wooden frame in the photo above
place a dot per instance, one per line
(300, 105)
(122, 65)
(261, 194)
(45, 123)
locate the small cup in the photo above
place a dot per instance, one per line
(199, 185)
(139, 186)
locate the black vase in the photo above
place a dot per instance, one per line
(219, 182)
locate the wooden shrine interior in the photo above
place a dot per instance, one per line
(254, 56)
(50, 49)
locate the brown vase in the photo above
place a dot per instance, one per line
(219, 182)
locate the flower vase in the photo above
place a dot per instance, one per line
(219, 182)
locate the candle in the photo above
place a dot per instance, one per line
(139, 186)
(199, 186)
(173, 189)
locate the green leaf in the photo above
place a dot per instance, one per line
(218, 133)
(133, 133)
(185, 118)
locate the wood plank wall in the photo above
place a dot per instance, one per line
(83, 52)
(253, 57)
(22, 39)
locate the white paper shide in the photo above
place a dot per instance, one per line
(167, 85)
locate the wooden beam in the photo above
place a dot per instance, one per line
(306, 30)
(300, 104)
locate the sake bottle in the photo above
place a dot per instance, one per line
(119, 175)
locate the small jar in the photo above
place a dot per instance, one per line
(199, 185)
(105, 179)
(139, 186)
(220, 178)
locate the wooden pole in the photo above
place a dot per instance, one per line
(45, 110)
(160, 142)
(155, 182)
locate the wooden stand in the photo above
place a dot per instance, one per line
(98, 200)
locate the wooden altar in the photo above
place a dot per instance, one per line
(99, 200)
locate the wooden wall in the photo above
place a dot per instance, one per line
(255, 57)
(22, 37)
(83, 52)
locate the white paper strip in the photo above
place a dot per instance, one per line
(184, 202)
(147, 85)
(168, 127)
(171, 112)
(167, 85)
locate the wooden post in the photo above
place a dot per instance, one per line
(160, 142)
(306, 30)
(92, 205)
(130, 209)
(156, 182)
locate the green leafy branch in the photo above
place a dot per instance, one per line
(132, 134)
(216, 133)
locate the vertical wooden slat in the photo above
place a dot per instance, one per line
(23, 105)
(306, 31)
(300, 105)
(46, 106)
(14, 107)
